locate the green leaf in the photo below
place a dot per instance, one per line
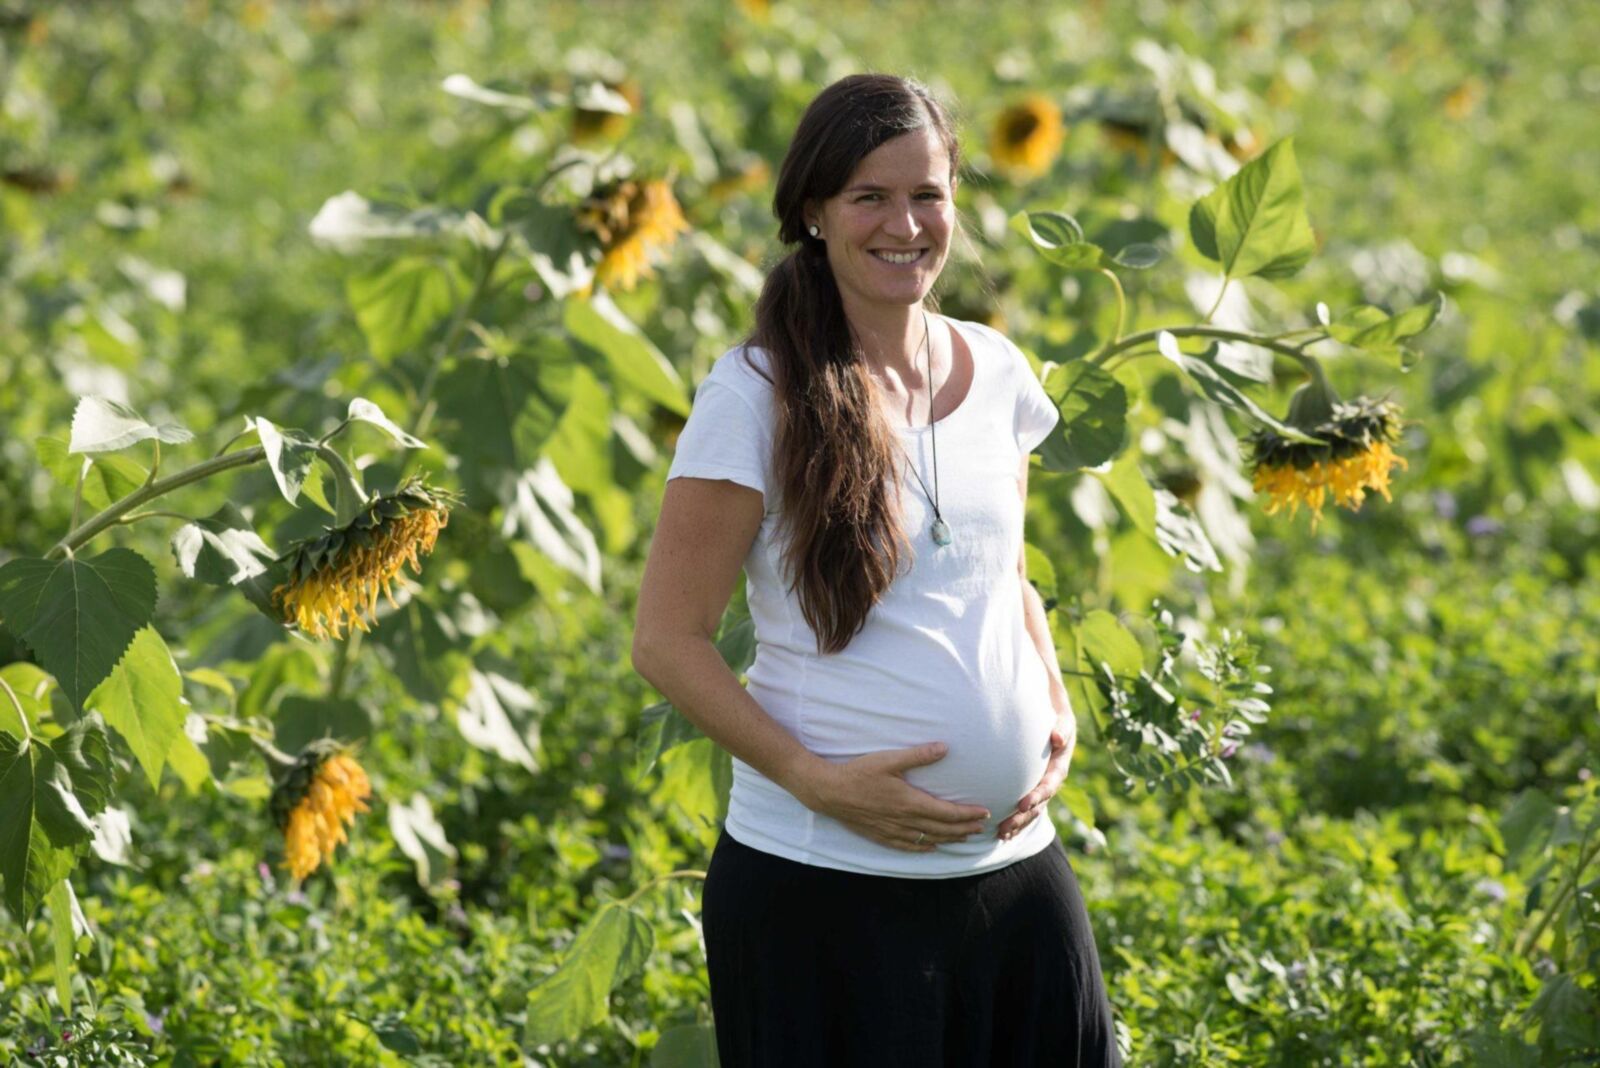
(62, 940)
(686, 1046)
(418, 834)
(223, 549)
(1140, 255)
(30, 685)
(1526, 823)
(301, 719)
(349, 220)
(662, 727)
(487, 717)
(1255, 223)
(364, 411)
(1094, 409)
(1204, 374)
(1105, 640)
(558, 251)
(49, 796)
(143, 699)
(78, 615)
(1041, 572)
(1180, 533)
(426, 650)
(1367, 326)
(100, 424)
(463, 86)
(400, 303)
(611, 946)
(1132, 491)
(289, 453)
(504, 408)
(634, 360)
(108, 477)
(1059, 239)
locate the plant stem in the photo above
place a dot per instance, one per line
(1149, 336)
(1122, 303)
(682, 873)
(155, 514)
(110, 515)
(1218, 303)
(1586, 855)
(16, 703)
(341, 663)
(424, 415)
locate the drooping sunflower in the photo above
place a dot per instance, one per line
(591, 125)
(631, 218)
(335, 577)
(315, 800)
(1356, 457)
(1027, 136)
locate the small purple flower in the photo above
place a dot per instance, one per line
(1194, 717)
(265, 872)
(296, 897)
(1492, 888)
(157, 1022)
(1296, 971)
(1482, 526)
(1584, 774)
(612, 851)
(1229, 749)
(1444, 504)
(1260, 753)
(1274, 837)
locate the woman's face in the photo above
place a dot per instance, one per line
(900, 199)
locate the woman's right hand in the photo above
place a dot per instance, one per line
(868, 796)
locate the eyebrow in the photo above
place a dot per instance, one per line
(870, 188)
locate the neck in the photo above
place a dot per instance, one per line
(891, 336)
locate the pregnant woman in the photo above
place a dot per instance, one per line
(887, 889)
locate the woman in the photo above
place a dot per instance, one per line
(886, 890)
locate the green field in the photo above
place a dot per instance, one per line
(1334, 800)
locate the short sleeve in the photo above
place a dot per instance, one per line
(724, 438)
(1036, 413)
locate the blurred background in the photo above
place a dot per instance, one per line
(217, 210)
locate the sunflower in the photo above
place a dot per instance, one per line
(1027, 136)
(335, 576)
(1356, 457)
(630, 218)
(320, 793)
(589, 126)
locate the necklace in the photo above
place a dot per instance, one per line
(940, 531)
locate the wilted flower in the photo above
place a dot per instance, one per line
(335, 576)
(320, 793)
(630, 218)
(1027, 136)
(1356, 457)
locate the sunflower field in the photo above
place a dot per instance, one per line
(343, 349)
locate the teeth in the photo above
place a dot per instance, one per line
(904, 257)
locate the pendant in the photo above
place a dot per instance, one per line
(941, 532)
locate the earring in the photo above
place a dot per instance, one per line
(814, 230)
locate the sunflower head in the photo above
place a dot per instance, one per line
(1356, 455)
(1027, 135)
(335, 577)
(631, 219)
(313, 802)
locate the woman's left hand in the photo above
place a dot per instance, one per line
(1062, 740)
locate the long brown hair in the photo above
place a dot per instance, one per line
(832, 448)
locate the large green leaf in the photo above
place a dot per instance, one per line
(1180, 533)
(49, 796)
(1094, 409)
(502, 409)
(78, 615)
(1255, 223)
(1374, 330)
(364, 411)
(610, 947)
(1105, 640)
(223, 549)
(1132, 491)
(143, 699)
(686, 1046)
(426, 650)
(634, 360)
(100, 424)
(398, 304)
(560, 253)
(491, 715)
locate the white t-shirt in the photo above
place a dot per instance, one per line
(945, 655)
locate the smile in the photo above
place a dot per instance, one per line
(900, 258)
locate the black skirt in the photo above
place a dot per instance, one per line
(813, 966)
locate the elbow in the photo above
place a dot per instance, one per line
(640, 655)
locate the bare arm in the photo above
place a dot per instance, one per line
(705, 532)
(1039, 627)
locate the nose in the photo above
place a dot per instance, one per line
(902, 222)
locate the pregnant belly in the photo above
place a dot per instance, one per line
(991, 761)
